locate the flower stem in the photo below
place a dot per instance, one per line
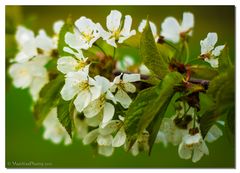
(187, 51)
(114, 52)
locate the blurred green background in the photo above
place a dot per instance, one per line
(24, 143)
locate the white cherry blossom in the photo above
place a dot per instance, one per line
(31, 74)
(208, 52)
(103, 137)
(193, 146)
(118, 30)
(122, 84)
(76, 62)
(53, 130)
(85, 34)
(101, 105)
(82, 86)
(173, 31)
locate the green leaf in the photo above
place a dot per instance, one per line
(65, 111)
(48, 98)
(67, 27)
(136, 110)
(222, 91)
(150, 55)
(150, 104)
(203, 72)
(230, 126)
(224, 60)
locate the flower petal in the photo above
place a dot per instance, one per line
(120, 138)
(184, 152)
(217, 51)
(187, 22)
(74, 41)
(90, 137)
(21, 75)
(208, 43)
(199, 151)
(108, 112)
(123, 98)
(103, 82)
(114, 20)
(110, 127)
(67, 64)
(171, 29)
(152, 26)
(213, 134)
(105, 150)
(93, 108)
(82, 101)
(105, 140)
(213, 62)
(131, 77)
(44, 42)
(129, 87)
(57, 26)
(68, 91)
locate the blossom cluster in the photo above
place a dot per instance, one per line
(96, 97)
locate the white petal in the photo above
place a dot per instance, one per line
(68, 91)
(21, 75)
(131, 77)
(144, 70)
(105, 150)
(104, 34)
(217, 51)
(213, 62)
(171, 29)
(126, 31)
(104, 140)
(90, 137)
(82, 100)
(123, 98)
(129, 87)
(108, 112)
(78, 54)
(187, 22)
(36, 86)
(192, 139)
(120, 138)
(134, 149)
(44, 42)
(74, 41)
(93, 108)
(208, 43)
(103, 82)
(213, 134)
(184, 152)
(24, 35)
(114, 20)
(199, 151)
(110, 127)
(57, 26)
(94, 121)
(152, 26)
(67, 64)
(112, 42)
(22, 57)
(111, 97)
(95, 92)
